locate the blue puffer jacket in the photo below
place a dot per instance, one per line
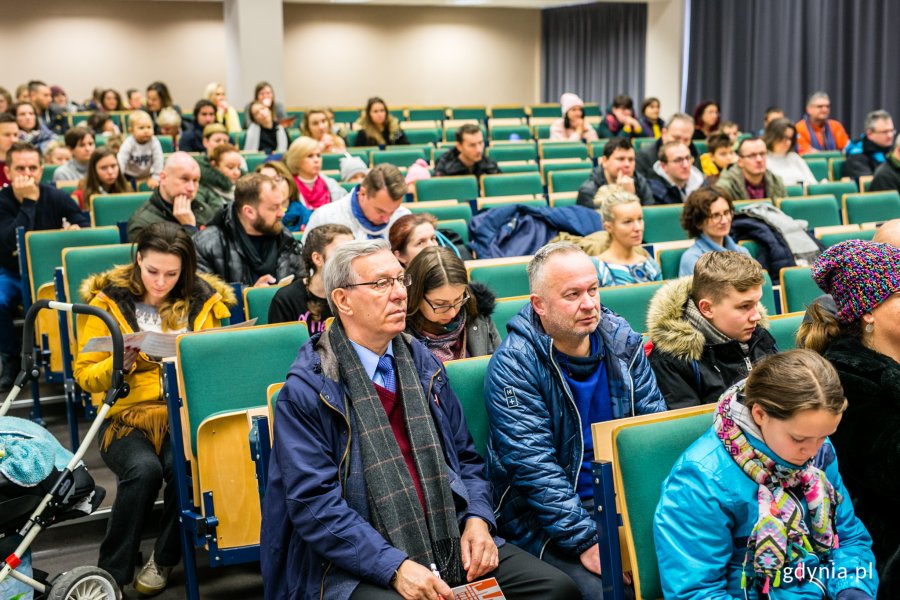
(316, 541)
(535, 447)
(708, 509)
(520, 230)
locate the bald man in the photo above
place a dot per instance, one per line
(175, 199)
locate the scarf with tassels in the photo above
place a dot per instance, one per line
(780, 528)
(429, 536)
(150, 418)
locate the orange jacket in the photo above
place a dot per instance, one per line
(804, 144)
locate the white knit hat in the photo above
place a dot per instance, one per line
(569, 101)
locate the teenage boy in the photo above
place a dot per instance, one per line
(707, 330)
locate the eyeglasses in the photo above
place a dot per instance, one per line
(890, 132)
(681, 160)
(754, 156)
(722, 216)
(442, 309)
(385, 283)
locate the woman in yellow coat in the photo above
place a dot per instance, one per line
(160, 291)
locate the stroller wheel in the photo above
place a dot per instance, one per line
(84, 583)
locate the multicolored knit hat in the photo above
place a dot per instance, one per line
(859, 275)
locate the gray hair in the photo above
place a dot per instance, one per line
(535, 267)
(680, 116)
(819, 95)
(875, 116)
(339, 271)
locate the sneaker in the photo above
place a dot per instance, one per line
(152, 578)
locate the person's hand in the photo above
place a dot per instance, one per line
(634, 123)
(25, 187)
(264, 281)
(479, 552)
(181, 210)
(626, 181)
(590, 559)
(130, 358)
(69, 226)
(415, 582)
(327, 142)
(153, 183)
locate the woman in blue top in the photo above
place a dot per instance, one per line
(756, 507)
(707, 216)
(622, 260)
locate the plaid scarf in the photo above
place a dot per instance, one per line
(394, 507)
(781, 529)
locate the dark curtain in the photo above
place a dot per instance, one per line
(751, 54)
(594, 50)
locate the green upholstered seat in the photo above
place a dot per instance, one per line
(515, 184)
(462, 187)
(505, 310)
(662, 223)
(784, 329)
(566, 180)
(513, 152)
(460, 210)
(467, 381)
(670, 261)
(630, 302)
(798, 289)
(817, 211)
(504, 280)
(871, 207)
(110, 209)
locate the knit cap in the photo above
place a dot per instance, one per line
(418, 170)
(569, 101)
(859, 275)
(352, 165)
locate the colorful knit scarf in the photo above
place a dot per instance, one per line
(781, 527)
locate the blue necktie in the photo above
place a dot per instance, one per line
(386, 368)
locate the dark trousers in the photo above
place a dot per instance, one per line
(590, 585)
(520, 575)
(139, 475)
(10, 299)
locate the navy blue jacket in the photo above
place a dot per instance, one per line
(316, 541)
(520, 230)
(535, 449)
(47, 212)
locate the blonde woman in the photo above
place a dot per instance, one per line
(225, 113)
(623, 261)
(304, 160)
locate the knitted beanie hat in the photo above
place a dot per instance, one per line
(859, 275)
(352, 165)
(417, 171)
(569, 101)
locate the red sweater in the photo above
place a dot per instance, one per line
(394, 410)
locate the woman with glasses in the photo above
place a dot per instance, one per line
(707, 217)
(781, 139)
(623, 261)
(451, 316)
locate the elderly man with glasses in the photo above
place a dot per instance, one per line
(749, 179)
(375, 488)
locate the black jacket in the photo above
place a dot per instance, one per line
(51, 207)
(774, 252)
(868, 442)
(398, 139)
(863, 157)
(192, 140)
(219, 251)
(294, 303)
(887, 176)
(449, 164)
(649, 154)
(689, 370)
(589, 188)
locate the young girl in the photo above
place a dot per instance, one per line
(103, 177)
(572, 127)
(622, 260)
(756, 507)
(159, 291)
(141, 156)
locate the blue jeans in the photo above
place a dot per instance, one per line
(10, 299)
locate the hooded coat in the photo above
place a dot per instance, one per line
(689, 369)
(108, 291)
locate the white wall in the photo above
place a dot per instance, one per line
(663, 71)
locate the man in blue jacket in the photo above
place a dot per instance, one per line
(375, 488)
(566, 363)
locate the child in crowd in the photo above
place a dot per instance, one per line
(169, 123)
(709, 329)
(719, 156)
(416, 172)
(57, 153)
(756, 507)
(353, 169)
(141, 155)
(731, 129)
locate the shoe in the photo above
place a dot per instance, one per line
(152, 578)
(11, 366)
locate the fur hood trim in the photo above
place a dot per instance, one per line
(485, 299)
(670, 331)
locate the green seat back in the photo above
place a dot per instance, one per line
(579, 165)
(510, 168)
(566, 181)
(826, 154)
(751, 246)
(545, 111)
(560, 202)
(662, 223)
(463, 187)
(596, 148)
(45, 248)
(670, 261)
(552, 150)
(398, 157)
(466, 378)
(872, 207)
(80, 263)
(592, 109)
(784, 330)
(794, 190)
(428, 135)
(819, 168)
(457, 226)
(646, 454)
(47, 173)
(332, 160)
(701, 146)
(836, 168)
(254, 160)
(504, 280)
(469, 113)
(168, 144)
(830, 239)
(430, 113)
(768, 295)
(798, 288)
(508, 112)
(505, 310)
(508, 152)
(346, 115)
(817, 211)
(258, 300)
(835, 188)
(510, 132)
(110, 209)
(450, 133)
(230, 369)
(630, 302)
(515, 184)
(461, 210)
(639, 142)
(541, 132)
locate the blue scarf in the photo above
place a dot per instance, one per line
(358, 214)
(826, 133)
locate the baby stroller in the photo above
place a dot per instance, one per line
(67, 492)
